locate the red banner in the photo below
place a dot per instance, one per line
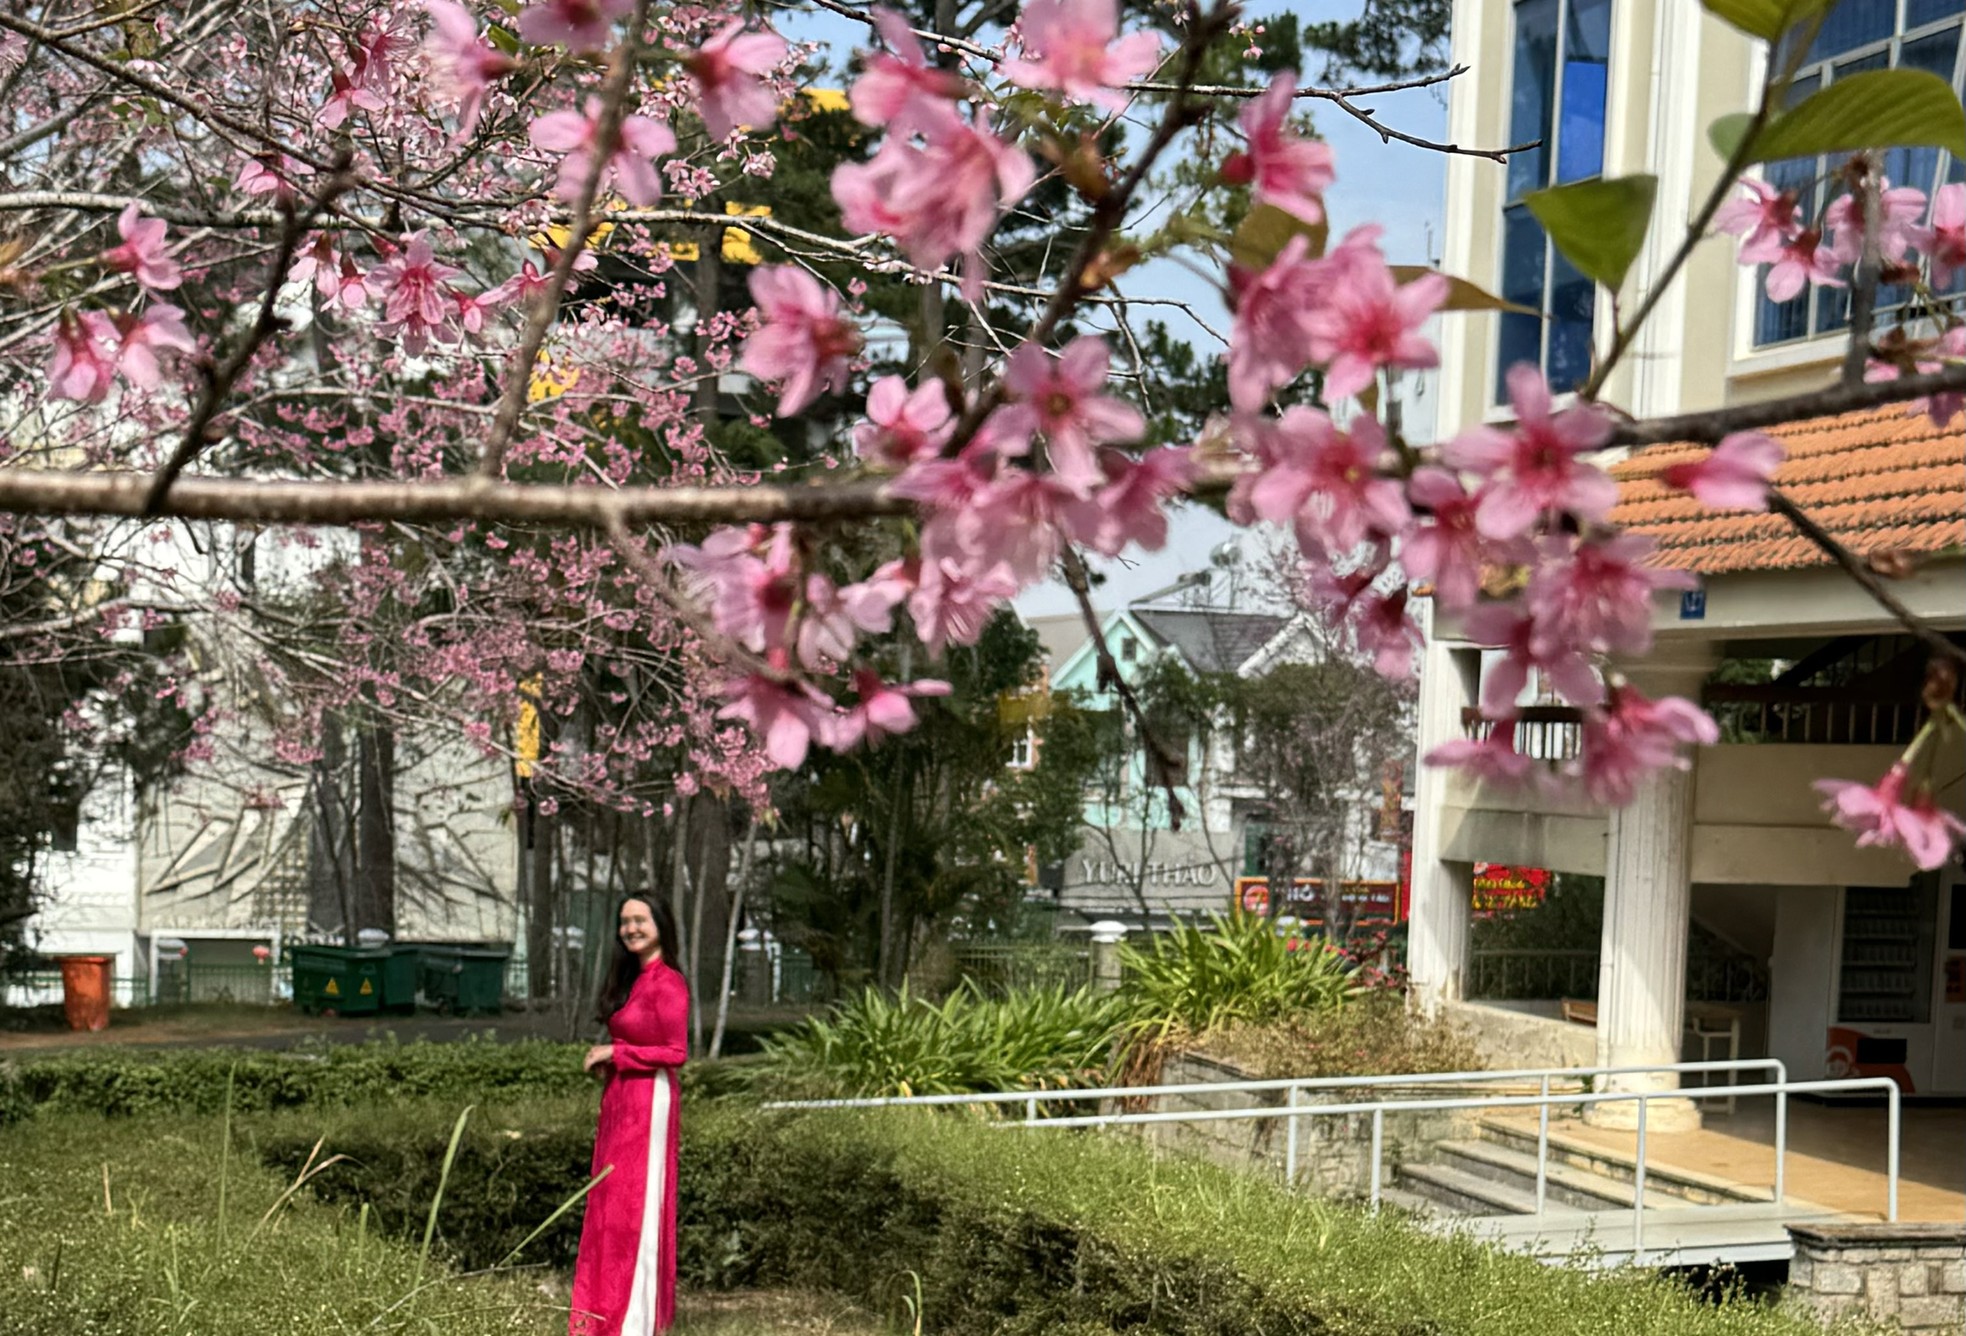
(1499, 887)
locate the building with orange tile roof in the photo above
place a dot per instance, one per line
(1860, 958)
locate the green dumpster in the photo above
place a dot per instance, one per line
(354, 980)
(463, 979)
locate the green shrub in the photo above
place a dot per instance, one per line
(1236, 971)
(1375, 1034)
(885, 1044)
(1018, 1232)
(993, 1230)
(130, 1082)
(515, 1164)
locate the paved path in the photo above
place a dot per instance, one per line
(1672, 1236)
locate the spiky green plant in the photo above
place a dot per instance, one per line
(1235, 970)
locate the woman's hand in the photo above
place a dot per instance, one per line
(601, 1055)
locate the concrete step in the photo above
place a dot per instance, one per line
(1565, 1185)
(1463, 1193)
(1616, 1166)
(1413, 1203)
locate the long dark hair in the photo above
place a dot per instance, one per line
(624, 966)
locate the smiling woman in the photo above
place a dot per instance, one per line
(624, 1281)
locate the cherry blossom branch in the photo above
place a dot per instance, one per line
(219, 380)
(545, 307)
(56, 492)
(1110, 678)
(1870, 263)
(1866, 578)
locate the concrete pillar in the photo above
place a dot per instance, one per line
(1648, 902)
(1107, 934)
(1437, 929)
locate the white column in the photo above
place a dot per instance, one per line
(1437, 929)
(1648, 903)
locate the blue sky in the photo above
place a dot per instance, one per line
(1400, 187)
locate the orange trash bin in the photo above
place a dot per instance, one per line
(85, 991)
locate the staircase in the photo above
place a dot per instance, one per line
(1494, 1174)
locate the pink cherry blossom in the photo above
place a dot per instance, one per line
(833, 618)
(631, 168)
(1898, 212)
(806, 341)
(1597, 593)
(1132, 506)
(465, 64)
(142, 252)
(1883, 818)
(1063, 399)
(1073, 42)
(940, 200)
(1381, 627)
(752, 598)
(1535, 467)
(159, 328)
(1367, 321)
(1801, 261)
(1944, 241)
(1283, 168)
(1941, 408)
(84, 362)
(1444, 545)
(346, 96)
(1017, 520)
(950, 606)
(270, 174)
(1765, 220)
(1270, 342)
(1492, 758)
(1563, 668)
(336, 279)
(416, 297)
(1734, 475)
(1330, 484)
(728, 73)
(1634, 737)
(786, 716)
(884, 709)
(578, 25)
(903, 427)
(902, 92)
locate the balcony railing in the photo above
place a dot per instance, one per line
(1774, 712)
(1552, 733)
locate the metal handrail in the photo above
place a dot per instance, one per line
(1291, 1085)
(1781, 1089)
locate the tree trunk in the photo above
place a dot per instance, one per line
(741, 880)
(375, 830)
(710, 858)
(539, 909)
(330, 892)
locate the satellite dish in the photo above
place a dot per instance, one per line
(1226, 554)
(372, 937)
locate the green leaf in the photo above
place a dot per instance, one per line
(1268, 230)
(1876, 109)
(1461, 294)
(1727, 132)
(1766, 19)
(1598, 225)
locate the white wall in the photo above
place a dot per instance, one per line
(90, 903)
(1800, 972)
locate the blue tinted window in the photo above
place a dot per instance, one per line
(1854, 23)
(1525, 253)
(1869, 27)
(1533, 95)
(1586, 62)
(1573, 298)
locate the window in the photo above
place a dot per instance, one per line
(1020, 751)
(1859, 35)
(1129, 649)
(1561, 103)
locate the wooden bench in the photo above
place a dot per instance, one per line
(1580, 1013)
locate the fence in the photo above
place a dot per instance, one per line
(1781, 1088)
(177, 984)
(1517, 973)
(998, 968)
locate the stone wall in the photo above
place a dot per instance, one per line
(1334, 1153)
(1524, 1034)
(1913, 1274)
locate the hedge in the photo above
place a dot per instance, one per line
(1006, 1231)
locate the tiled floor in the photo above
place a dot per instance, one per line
(1836, 1156)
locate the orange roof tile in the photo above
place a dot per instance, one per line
(1880, 481)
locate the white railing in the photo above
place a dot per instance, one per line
(1780, 1088)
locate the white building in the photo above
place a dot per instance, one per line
(1866, 958)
